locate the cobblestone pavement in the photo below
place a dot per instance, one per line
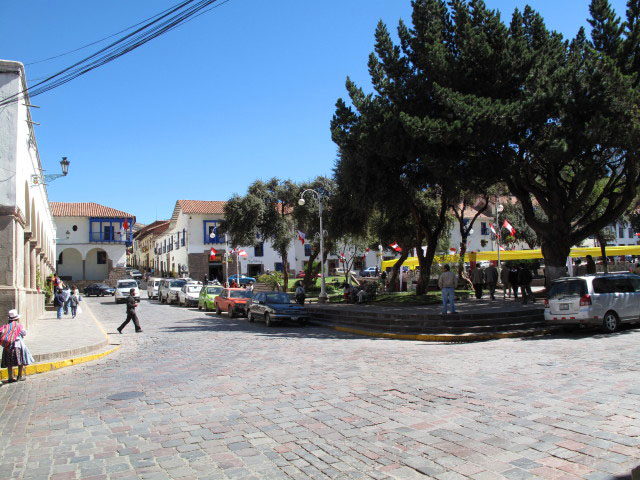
(202, 396)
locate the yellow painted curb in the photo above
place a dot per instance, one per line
(468, 337)
(48, 366)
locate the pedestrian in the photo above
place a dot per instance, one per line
(300, 296)
(67, 295)
(491, 276)
(233, 284)
(513, 280)
(14, 351)
(361, 295)
(591, 265)
(74, 300)
(205, 281)
(131, 312)
(524, 280)
(58, 302)
(447, 284)
(506, 284)
(478, 280)
(377, 271)
(250, 287)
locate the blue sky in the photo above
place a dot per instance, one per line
(245, 91)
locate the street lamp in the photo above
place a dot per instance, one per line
(323, 286)
(42, 179)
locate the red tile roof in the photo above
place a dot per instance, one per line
(156, 227)
(202, 206)
(89, 209)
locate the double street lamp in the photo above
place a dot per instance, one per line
(323, 286)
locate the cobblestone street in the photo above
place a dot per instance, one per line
(204, 396)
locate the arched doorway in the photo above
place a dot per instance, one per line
(96, 265)
(70, 264)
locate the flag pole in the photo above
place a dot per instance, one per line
(499, 231)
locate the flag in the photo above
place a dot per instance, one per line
(453, 250)
(125, 224)
(212, 253)
(396, 247)
(301, 236)
(493, 230)
(502, 248)
(242, 253)
(367, 250)
(343, 258)
(508, 226)
(123, 233)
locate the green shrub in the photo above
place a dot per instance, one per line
(274, 280)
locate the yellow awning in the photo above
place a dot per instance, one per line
(412, 262)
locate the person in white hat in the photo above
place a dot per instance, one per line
(14, 350)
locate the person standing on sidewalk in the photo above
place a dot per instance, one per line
(131, 312)
(506, 283)
(58, 302)
(478, 279)
(14, 350)
(514, 273)
(448, 283)
(74, 300)
(524, 279)
(67, 296)
(491, 274)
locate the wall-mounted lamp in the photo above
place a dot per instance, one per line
(42, 179)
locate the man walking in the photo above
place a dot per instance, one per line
(478, 279)
(131, 312)
(491, 274)
(524, 279)
(448, 283)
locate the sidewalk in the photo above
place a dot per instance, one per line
(56, 343)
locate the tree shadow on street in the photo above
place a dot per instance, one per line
(578, 333)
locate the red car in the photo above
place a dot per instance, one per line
(234, 301)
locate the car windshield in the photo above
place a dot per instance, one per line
(193, 288)
(214, 290)
(568, 288)
(280, 298)
(156, 283)
(102, 285)
(177, 283)
(127, 285)
(240, 294)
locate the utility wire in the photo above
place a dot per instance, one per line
(165, 22)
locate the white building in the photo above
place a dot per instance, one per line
(27, 230)
(92, 241)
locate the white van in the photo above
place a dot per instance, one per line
(152, 287)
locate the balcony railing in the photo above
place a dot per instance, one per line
(101, 237)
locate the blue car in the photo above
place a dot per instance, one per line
(244, 280)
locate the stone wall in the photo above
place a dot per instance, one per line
(198, 265)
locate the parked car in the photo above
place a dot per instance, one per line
(276, 307)
(152, 287)
(341, 272)
(123, 288)
(242, 280)
(99, 290)
(603, 300)
(234, 301)
(369, 272)
(137, 274)
(189, 294)
(169, 288)
(302, 273)
(207, 297)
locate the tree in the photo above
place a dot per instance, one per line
(460, 206)
(512, 212)
(264, 212)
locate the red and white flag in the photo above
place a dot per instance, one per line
(125, 224)
(242, 253)
(453, 250)
(502, 248)
(508, 226)
(301, 236)
(494, 230)
(396, 247)
(212, 253)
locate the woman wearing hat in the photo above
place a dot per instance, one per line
(14, 350)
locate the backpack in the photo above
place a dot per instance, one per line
(9, 334)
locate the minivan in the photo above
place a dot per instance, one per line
(152, 287)
(601, 300)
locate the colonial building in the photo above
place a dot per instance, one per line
(144, 243)
(27, 230)
(93, 240)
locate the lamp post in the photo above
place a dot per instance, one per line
(323, 286)
(42, 179)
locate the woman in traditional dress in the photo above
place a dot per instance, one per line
(14, 350)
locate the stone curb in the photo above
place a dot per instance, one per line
(44, 357)
(447, 338)
(49, 366)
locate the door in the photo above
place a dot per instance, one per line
(635, 282)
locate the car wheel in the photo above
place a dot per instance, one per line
(232, 312)
(250, 317)
(610, 322)
(218, 311)
(267, 320)
(199, 306)
(101, 294)
(162, 299)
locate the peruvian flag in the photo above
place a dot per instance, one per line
(493, 230)
(242, 253)
(453, 250)
(508, 226)
(212, 253)
(343, 258)
(125, 224)
(502, 248)
(301, 236)
(396, 247)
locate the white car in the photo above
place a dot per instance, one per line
(169, 288)
(602, 300)
(152, 287)
(189, 294)
(123, 289)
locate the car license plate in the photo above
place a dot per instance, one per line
(564, 306)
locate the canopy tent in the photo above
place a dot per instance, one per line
(412, 262)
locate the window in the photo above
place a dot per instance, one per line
(102, 258)
(483, 228)
(60, 259)
(279, 267)
(178, 241)
(259, 250)
(603, 285)
(307, 250)
(74, 228)
(630, 232)
(108, 233)
(164, 247)
(621, 230)
(184, 235)
(211, 232)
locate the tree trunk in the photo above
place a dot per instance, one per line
(285, 271)
(603, 251)
(463, 252)
(426, 261)
(393, 279)
(555, 253)
(310, 272)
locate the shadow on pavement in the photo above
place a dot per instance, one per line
(577, 333)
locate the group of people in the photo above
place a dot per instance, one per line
(65, 299)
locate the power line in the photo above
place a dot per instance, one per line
(165, 22)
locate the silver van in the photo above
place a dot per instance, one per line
(152, 287)
(602, 300)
